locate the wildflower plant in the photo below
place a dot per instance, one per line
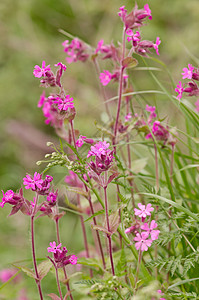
(143, 214)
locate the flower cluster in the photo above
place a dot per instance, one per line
(60, 257)
(145, 232)
(76, 50)
(191, 87)
(38, 185)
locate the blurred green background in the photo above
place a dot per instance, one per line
(29, 31)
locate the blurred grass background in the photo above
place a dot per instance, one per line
(29, 33)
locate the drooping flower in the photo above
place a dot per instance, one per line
(105, 77)
(143, 210)
(142, 241)
(179, 89)
(150, 229)
(7, 197)
(99, 46)
(122, 13)
(187, 72)
(62, 66)
(156, 45)
(54, 248)
(39, 72)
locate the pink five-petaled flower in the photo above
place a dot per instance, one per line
(64, 104)
(187, 72)
(157, 43)
(53, 248)
(197, 105)
(148, 11)
(80, 141)
(150, 229)
(73, 260)
(179, 89)
(105, 77)
(143, 210)
(142, 242)
(39, 72)
(33, 183)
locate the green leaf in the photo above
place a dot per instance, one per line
(28, 271)
(182, 282)
(114, 221)
(43, 268)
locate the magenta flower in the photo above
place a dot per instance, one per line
(101, 148)
(150, 229)
(122, 13)
(148, 11)
(197, 105)
(142, 242)
(64, 104)
(134, 37)
(33, 183)
(143, 210)
(7, 197)
(76, 50)
(80, 141)
(39, 72)
(187, 72)
(179, 89)
(105, 77)
(99, 46)
(128, 117)
(6, 274)
(73, 260)
(62, 66)
(52, 198)
(53, 248)
(157, 43)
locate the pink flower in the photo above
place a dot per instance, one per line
(52, 198)
(179, 89)
(39, 72)
(187, 73)
(197, 105)
(53, 248)
(128, 117)
(142, 242)
(134, 37)
(148, 11)
(6, 274)
(7, 197)
(64, 104)
(73, 259)
(33, 183)
(41, 100)
(101, 148)
(99, 46)
(105, 77)
(62, 66)
(157, 43)
(150, 229)
(122, 13)
(80, 141)
(143, 210)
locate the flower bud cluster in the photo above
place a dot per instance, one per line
(144, 230)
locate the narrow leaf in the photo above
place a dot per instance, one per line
(44, 268)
